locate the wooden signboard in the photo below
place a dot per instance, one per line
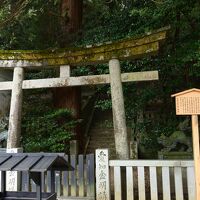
(188, 103)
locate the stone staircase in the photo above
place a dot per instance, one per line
(102, 133)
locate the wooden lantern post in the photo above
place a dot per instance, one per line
(188, 103)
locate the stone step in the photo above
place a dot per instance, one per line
(107, 142)
(101, 129)
(92, 146)
(102, 143)
(111, 150)
(106, 146)
(102, 139)
(103, 134)
(102, 126)
(99, 136)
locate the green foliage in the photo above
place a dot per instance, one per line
(104, 104)
(3, 123)
(34, 25)
(45, 128)
(49, 132)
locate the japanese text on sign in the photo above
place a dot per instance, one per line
(102, 178)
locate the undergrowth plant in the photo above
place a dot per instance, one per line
(45, 128)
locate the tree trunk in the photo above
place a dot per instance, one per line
(72, 102)
(71, 12)
(70, 97)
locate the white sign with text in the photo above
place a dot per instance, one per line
(13, 177)
(102, 175)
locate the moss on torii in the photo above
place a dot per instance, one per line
(126, 49)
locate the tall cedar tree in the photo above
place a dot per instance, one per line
(70, 97)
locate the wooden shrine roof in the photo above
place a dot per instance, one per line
(33, 162)
(131, 48)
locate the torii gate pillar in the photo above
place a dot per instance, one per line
(14, 131)
(119, 119)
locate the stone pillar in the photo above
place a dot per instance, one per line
(14, 130)
(64, 71)
(102, 175)
(119, 119)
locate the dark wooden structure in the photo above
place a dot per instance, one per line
(35, 164)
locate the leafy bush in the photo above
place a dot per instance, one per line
(45, 128)
(49, 132)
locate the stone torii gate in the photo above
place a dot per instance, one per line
(66, 58)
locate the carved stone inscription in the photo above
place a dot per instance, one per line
(188, 105)
(102, 175)
(13, 177)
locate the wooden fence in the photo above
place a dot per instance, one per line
(120, 179)
(143, 179)
(78, 183)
